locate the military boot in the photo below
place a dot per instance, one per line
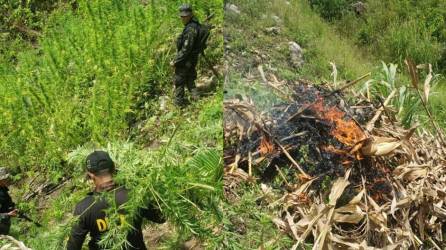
(178, 98)
(194, 94)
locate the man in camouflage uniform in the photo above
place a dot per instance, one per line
(187, 56)
(7, 207)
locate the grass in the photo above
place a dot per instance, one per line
(321, 43)
(248, 224)
(397, 30)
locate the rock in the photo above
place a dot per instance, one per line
(232, 8)
(276, 19)
(359, 8)
(272, 30)
(296, 54)
(192, 244)
(163, 102)
(238, 225)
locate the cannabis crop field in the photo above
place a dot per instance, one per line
(93, 79)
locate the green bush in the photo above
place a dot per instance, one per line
(410, 40)
(330, 9)
(395, 30)
(406, 102)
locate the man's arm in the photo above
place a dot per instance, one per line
(6, 200)
(78, 232)
(12, 213)
(189, 40)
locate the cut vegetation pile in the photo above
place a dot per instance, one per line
(339, 175)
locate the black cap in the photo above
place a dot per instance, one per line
(98, 161)
(185, 10)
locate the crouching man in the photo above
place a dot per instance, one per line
(91, 210)
(7, 207)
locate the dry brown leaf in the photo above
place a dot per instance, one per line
(352, 217)
(338, 188)
(418, 183)
(280, 224)
(427, 84)
(393, 206)
(336, 191)
(292, 225)
(439, 211)
(410, 172)
(357, 199)
(378, 148)
(412, 72)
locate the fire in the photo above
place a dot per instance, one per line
(333, 150)
(345, 131)
(266, 146)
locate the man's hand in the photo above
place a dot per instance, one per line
(13, 213)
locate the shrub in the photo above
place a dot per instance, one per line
(330, 9)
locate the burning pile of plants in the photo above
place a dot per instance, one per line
(350, 176)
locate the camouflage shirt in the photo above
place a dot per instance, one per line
(187, 49)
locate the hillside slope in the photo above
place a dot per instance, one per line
(263, 65)
(99, 78)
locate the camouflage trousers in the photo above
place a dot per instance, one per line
(185, 78)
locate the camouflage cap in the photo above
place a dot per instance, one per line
(4, 173)
(185, 10)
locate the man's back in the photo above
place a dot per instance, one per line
(93, 220)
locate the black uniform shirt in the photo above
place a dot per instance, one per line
(6, 204)
(92, 219)
(187, 45)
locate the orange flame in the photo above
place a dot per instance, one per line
(266, 146)
(303, 198)
(333, 150)
(345, 131)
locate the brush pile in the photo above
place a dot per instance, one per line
(340, 176)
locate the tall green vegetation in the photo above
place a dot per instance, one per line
(92, 78)
(331, 9)
(188, 192)
(81, 83)
(407, 102)
(393, 30)
(183, 175)
(20, 25)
